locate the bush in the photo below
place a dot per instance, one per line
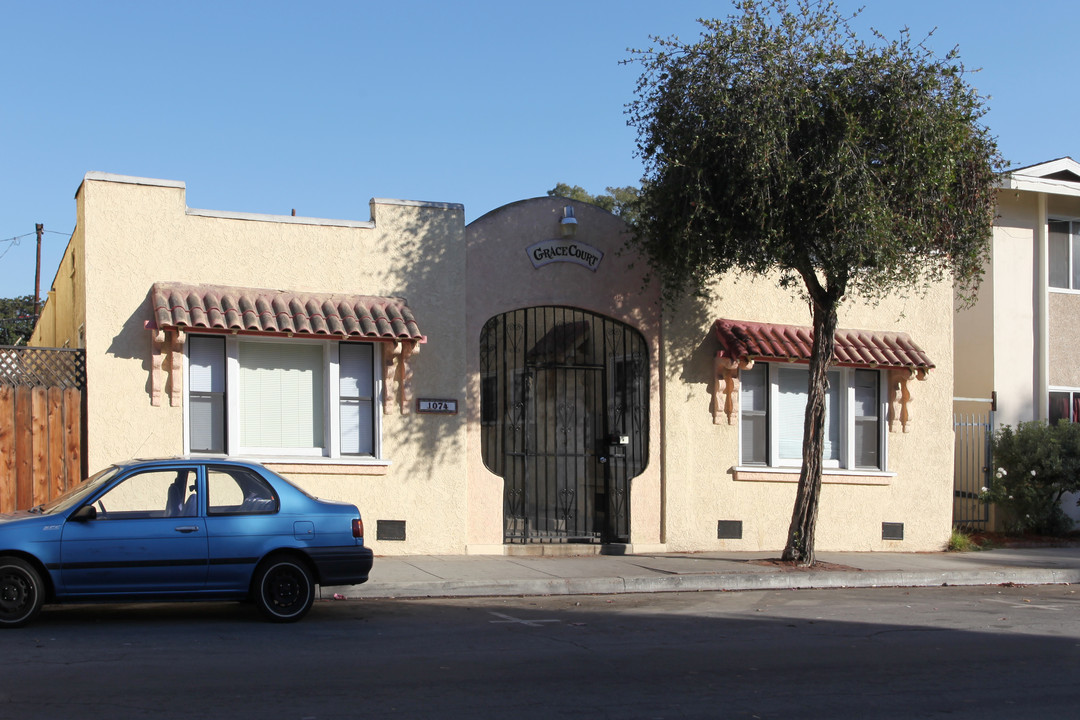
(1036, 465)
(960, 541)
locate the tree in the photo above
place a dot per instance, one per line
(17, 319)
(781, 143)
(619, 200)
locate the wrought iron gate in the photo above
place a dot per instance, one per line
(564, 422)
(972, 467)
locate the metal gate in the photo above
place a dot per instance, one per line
(564, 398)
(972, 467)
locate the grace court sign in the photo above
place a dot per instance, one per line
(550, 251)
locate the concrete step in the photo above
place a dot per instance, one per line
(562, 549)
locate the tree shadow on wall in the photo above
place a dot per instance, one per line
(427, 269)
(422, 260)
(690, 343)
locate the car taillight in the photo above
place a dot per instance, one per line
(358, 528)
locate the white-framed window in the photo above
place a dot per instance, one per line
(1064, 405)
(1064, 250)
(772, 408)
(271, 397)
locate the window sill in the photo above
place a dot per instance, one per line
(331, 466)
(828, 476)
(314, 465)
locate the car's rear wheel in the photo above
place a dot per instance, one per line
(284, 589)
(21, 592)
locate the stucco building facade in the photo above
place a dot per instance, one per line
(509, 383)
(1019, 342)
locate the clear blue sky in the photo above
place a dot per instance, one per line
(318, 106)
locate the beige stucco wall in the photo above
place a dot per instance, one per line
(997, 341)
(501, 278)
(973, 338)
(1062, 207)
(132, 233)
(138, 232)
(700, 456)
(64, 311)
(1064, 309)
(1064, 336)
(1015, 320)
(688, 485)
(1064, 339)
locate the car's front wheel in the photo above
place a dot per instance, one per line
(21, 592)
(284, 589)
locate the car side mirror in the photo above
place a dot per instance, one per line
(86, 512)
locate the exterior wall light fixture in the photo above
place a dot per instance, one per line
(568, 224)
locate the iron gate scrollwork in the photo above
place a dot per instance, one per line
(564, 415)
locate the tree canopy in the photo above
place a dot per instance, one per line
(16, 319)
(618, 200)
(780, 142)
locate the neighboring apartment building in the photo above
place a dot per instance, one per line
(1021, 340)
(504, 384)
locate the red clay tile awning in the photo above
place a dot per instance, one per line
(792, 343)
(278, 312)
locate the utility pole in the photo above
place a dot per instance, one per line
(40, 228)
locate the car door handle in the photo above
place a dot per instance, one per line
(187, 528)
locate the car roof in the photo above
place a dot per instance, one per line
(281, 484)
(187, 460)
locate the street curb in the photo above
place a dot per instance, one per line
(721, 582)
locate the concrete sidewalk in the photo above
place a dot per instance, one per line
(503, 575)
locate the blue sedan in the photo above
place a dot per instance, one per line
(180, 529)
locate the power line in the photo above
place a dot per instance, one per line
(15, 240)
(26, 235)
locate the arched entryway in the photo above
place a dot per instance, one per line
(564, 421)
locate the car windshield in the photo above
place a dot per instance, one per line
(75, 495)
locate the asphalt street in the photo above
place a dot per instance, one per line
(973, 652)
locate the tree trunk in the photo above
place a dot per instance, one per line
(800, 540)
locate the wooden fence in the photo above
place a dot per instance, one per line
(41, 424)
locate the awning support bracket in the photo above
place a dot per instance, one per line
(726, 382)
(397, 376)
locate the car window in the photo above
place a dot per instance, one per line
(77, 494)
(151, 494)
(238, 491)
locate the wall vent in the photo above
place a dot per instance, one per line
(729, 530)
(892, 531)
(389, 529)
